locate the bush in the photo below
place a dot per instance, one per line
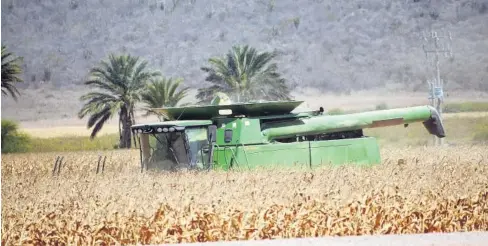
(74, 143)
(481, 137)
(381, 106)
(481, 132)
(14, 141)
(465, 107)
(335, 111)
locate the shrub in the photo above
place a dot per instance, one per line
(381, 106)
(74, 143)
(481, 132)
(12, 140)
(465, 107)
(335, 111)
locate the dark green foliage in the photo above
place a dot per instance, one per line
(11, 69)
(121, 80)
(14, 141)
(161, 93)
(245, 75)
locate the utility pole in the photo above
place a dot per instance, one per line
(436, 90)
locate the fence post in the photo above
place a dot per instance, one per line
(60, 164)
(55, 165)
(98, 164)
(103, 166)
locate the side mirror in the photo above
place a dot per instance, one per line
(212, 134)
(205, 149)
(212, 138)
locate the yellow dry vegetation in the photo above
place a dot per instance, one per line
(68, 131)
(415, 190)
(465, 115)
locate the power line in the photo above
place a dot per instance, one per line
(436, 85)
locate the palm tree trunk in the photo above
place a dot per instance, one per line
(120, 128)
(133, 122)
(125, 141)
(127, 132)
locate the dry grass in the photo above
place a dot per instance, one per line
(415, 190)
(465, 115)
(67, 131)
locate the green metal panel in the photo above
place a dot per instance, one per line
(247, 109)
(355, 150)
(285, 155)
(358, 151)
(249, 131)
(244, 131)
(267, 155)
(224, 125)
(224, 157)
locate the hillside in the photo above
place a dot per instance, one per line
(327, 45)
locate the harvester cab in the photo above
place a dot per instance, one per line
(172, 145)
(227, 135)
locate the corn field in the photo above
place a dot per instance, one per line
(414, 190)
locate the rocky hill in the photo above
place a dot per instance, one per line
(328, 45)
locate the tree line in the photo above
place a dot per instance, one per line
(121, 82)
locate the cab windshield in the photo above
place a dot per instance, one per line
(174, 150)
(197, 139)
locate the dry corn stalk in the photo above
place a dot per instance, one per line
(440, 190)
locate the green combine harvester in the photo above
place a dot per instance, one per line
(267, 134)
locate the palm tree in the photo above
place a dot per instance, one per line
(161, 93)
(11, 69)
(121, 80)
(244, 74)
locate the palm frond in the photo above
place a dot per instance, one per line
(206, 94)
(119, 79)
(164, 92)
(244, 73)
(11, 71)
(98, 115)
(98, 126)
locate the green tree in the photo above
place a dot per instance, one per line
(121, 79)
(11, 69)
(162, 92)
(12, 140)
(244, 74)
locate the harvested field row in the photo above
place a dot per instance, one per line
(415, 190)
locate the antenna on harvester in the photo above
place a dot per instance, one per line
(436, 85)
